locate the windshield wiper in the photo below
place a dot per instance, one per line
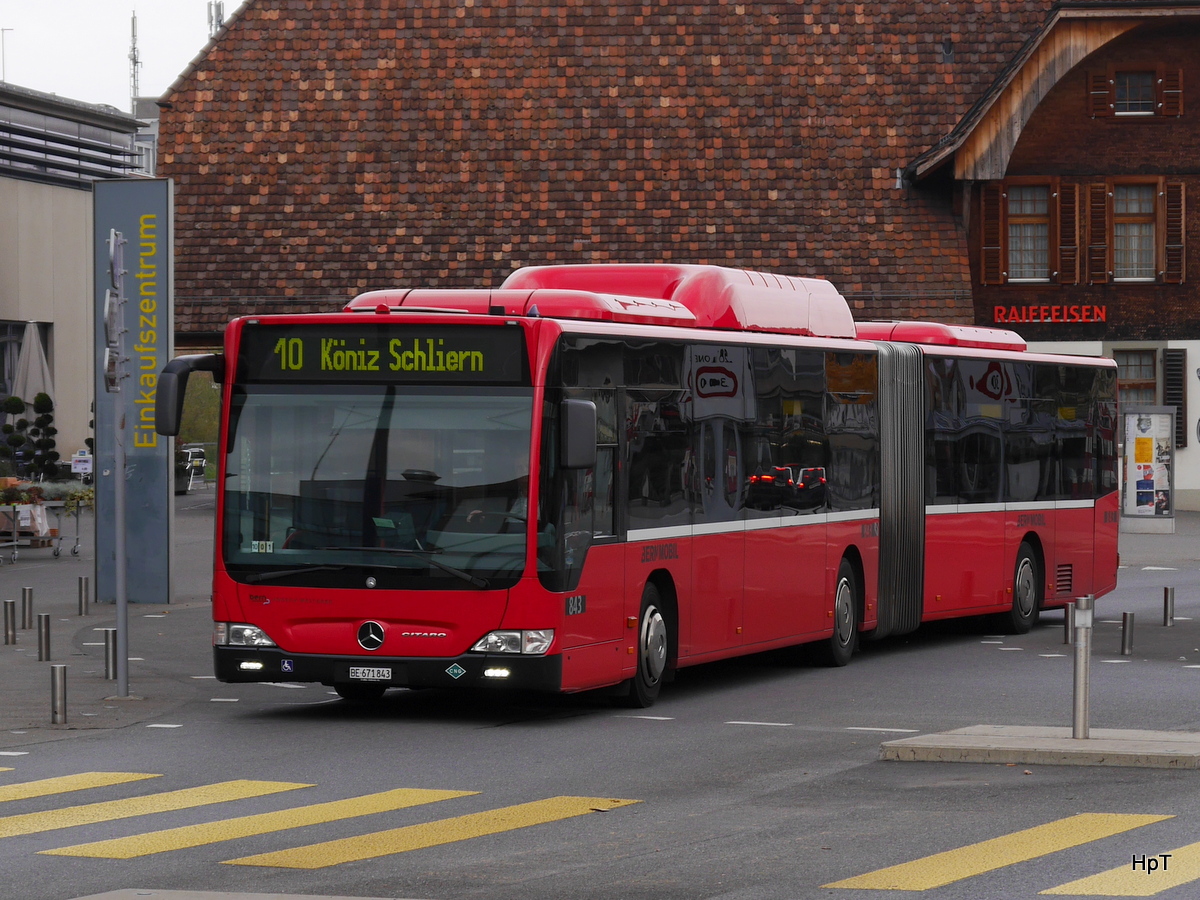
(283, 573)
(427, 555)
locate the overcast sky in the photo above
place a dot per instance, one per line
(79, 49)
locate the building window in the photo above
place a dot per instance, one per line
(1065, 233)
(1134, 94)
(1137, 377)
(1029, 233)
(1133, 232)
(1131, 94)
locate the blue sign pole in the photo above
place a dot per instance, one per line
(128, 450)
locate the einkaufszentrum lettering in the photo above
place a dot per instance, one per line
(146, 348)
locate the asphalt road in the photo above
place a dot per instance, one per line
(756, 778)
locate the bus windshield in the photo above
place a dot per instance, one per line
(374, 486)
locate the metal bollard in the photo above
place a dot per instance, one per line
(110, 654)
(43, 630)
(58, 694)
(1069, 623)
(10, 621)
(1127, 634)
(1083, 662)
(83, 595)
(1168, 606)
(26, 608)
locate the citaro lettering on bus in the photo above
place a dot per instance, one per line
(335, 357)
(426, 357)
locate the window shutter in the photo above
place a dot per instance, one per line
(991, 224)
(1100, 94)
(1097, 247)
(1170, 92)
(1068, 234)
(1172, 218)
(1175, 391)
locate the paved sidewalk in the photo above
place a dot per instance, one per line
(1046, 745)
(168, 644)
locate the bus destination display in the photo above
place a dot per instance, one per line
(380, 354)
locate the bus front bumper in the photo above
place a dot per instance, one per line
(259, 664)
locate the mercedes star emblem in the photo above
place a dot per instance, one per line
(370, 635)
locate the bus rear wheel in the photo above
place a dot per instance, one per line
(360, 693)
(1027, 592)
(844, 640)
(653, 651)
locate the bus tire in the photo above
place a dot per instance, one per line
(1027, 592)
(360, 693)
(844, 640)
(653, 651)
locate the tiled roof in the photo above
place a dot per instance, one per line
(325, 147)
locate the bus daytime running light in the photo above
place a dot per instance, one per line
(496, 673)
(530, 643)
(234, 634)
(250, 665)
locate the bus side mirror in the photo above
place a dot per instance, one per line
(172, 384)
(577, 421)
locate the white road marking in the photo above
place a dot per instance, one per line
(886, 730)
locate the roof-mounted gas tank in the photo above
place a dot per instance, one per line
(921, 332)
(729, 299)
(650, 294)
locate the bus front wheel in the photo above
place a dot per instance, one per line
(1027, 593)
(653, 649)
(844, 640)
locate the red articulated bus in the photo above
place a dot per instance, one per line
(595, 475)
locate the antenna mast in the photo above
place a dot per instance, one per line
(134, 62)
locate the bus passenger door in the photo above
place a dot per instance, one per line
(718, 546)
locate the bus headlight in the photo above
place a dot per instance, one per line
(234, 634)
(531, 643)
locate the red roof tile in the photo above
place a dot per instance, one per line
(321, 149)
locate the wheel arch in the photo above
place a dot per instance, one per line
(664, 581)
(1039, 552)
(853, 556)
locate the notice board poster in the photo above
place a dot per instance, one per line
(1149, 461)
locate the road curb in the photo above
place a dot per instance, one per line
(1050, 746)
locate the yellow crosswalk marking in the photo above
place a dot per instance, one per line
(1182, 867)
(248, 826)
(431, 834)
(66, 783)
(33, 823)
(975, 859)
